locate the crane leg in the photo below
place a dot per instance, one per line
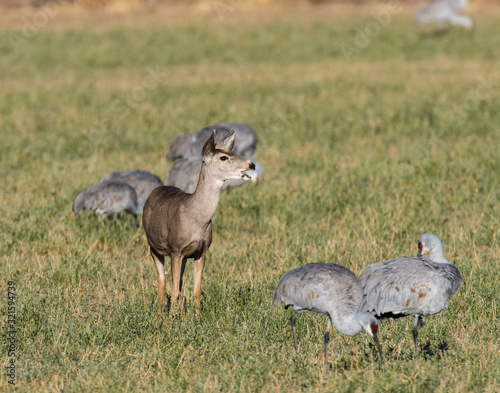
(327, 339)
(292, 321)
(419, 322)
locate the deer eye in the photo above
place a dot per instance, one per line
(223, 158)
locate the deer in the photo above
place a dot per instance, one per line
(178, 225)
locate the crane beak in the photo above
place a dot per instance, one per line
(375, 338)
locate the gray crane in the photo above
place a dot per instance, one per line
(327, 289)
(442, 12)
(184, 174)
(110, 197)
(404, 286)
(142, 182)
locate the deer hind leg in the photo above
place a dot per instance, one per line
(181, 286)
(160, 269)
(199, 264)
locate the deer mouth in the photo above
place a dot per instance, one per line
(245, 175)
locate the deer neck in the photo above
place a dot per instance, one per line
(204, 200)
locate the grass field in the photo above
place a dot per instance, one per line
(360, 158)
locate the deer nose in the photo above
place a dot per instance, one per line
(252, 166)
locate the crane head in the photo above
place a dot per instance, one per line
(429, 244)
(370, 324)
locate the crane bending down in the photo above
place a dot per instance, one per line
(327, 289)
(411, 286)
(441, 12)
(109, 197)
(142, 182)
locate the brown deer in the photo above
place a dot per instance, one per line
(179, 225)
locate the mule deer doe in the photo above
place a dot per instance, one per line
(179, 225)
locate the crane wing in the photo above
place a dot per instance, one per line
(409, 286)
(313, 285)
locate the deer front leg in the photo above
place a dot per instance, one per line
(177, 266)
(198, 271)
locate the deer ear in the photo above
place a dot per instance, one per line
(226, 143)
(209, 146)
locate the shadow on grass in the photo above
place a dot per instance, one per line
(429, 352)
(435, 33)
(426, 352)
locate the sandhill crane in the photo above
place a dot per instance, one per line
(411, 286)
(142, 182)
(110, 197)
(184, 174)
(442, 12)
(327, 289)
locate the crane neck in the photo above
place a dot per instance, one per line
(437, 256)
(348, 325)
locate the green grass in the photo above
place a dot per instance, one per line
(360, 159)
